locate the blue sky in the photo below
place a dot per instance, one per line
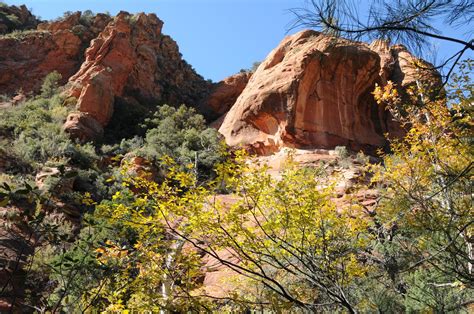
(217, 37)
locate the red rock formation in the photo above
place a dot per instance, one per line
(131, 58)
(26, 58)
(225, 93)
(128, 57)
(315, 91)
(82, 126)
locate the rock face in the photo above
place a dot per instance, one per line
(315, 91)
(311, 91)
(26, 58)
(131, 58)
(224, 94)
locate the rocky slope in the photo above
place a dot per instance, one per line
(224, 94)
(311, 91)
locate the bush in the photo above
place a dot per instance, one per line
(183, 135)
(22, 34)
(126, 121)
(341, 151)
(51, 84)
(86, 17)
(34, 130)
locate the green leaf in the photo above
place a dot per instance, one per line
(28, 186)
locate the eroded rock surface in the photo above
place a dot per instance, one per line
(103, 59)
(132, 58)
(316, 91)
(27, 57)
(224, 94)
(83, 127)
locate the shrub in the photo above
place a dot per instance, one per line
(341, 151)
(34, 130)
(50, 84)
(183, 135)
(86, 17)
(22, 34)
(126, 121)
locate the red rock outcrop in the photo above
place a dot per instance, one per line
(26, 58)
(224, 94)
(132, 58)
(82, 126)
(316, 91)
(127, 57)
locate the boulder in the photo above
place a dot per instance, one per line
(64, 183)
(18, 99)
(141, 167)
(83, 127)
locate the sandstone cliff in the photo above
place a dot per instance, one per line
(311, 91)
(102, 59)
(133, 60)
(316, 91)
(27, 57)
(224, 94)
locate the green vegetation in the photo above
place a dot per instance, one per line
(183, 135)
(22, 34)
(254, 68)
(34, 143)
(180, 133)
(33, 129)
(12, 19)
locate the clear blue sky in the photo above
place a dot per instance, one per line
(217, 37)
